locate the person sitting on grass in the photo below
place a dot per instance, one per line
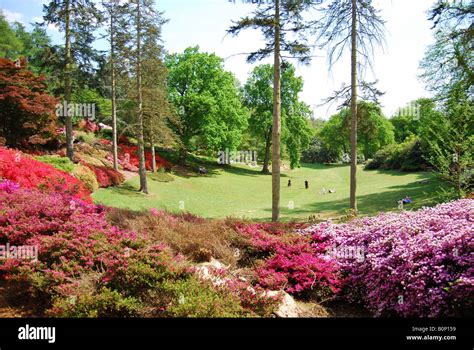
(407, 200)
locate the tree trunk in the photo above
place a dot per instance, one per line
(141, 141)
(266, 159)
(153, 159)
(114, 104)
(353, 184)
(67, 85)
(276, 130)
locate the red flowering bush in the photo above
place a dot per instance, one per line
(414, 264)
(129, 153)
(106, 176)
(292, 262)
(30, 173)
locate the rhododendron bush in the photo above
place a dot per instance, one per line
(415, 263)
(30, 173)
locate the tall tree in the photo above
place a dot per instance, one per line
(450, 139)
(284, 29)
(118, 35)
(26, 108)
(450, 60)
(207, 101)
(77, 19)
(258, 97)
(10, 44)
(159, 115)
(146, 27)
(357, 24)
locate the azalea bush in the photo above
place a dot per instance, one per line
(30, 173)
(106, 176)
(415, 264)
(291, 262)
(130, 153)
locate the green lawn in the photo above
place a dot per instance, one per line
(244, 192)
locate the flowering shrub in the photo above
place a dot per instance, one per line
(132, 150)
(415, 264)
(89, 268)
(86, 176)
(30, 173)
(292, 262)
(106, 176)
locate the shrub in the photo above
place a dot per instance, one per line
(416, 264)
(106, 176)
(26, 108)
(184, 233)
(407, 156)
(61, 163)
(89, 268)
(292, 262)
(87, 137)
(30, 173)
(132, 150)
(86, 176)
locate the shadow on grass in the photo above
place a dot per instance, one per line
(371, 204)
(126, 189)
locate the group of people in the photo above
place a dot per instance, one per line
(306, 185)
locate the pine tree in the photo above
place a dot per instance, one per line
(77, 19)
(284, 29)
(357, 24)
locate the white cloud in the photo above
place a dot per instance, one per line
(12, 16)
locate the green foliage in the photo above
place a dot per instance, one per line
(84, 136)
(258, 97)
(406, 156)
(408, 120)
(374, 131)
(450, 138)
(199, 299)
(86, 176)
(103, 106)
(61, 163)
(102, 303)
(206, 99)
(10, 45)
(317, 152)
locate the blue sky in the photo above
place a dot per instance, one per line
(204, 23)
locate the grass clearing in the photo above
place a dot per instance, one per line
(243, 192)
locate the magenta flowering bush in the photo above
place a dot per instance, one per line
(72, 236)
(292, 262)
(415, 264)
(8, 186)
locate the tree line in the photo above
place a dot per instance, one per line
(189, 101)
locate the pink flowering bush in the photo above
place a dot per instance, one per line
(415, 264)
(291, 262)
(87, 267)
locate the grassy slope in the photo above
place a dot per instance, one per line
(244, 192)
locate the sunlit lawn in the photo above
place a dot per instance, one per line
(241, 191)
